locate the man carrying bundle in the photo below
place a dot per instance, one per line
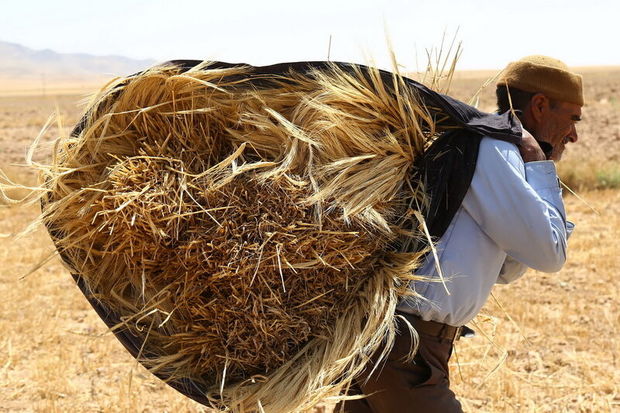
(511, 218)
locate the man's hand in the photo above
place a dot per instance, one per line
(530, 149)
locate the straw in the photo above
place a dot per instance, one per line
(253, 226)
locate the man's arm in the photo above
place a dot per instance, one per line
(519, 206)
(512, 269)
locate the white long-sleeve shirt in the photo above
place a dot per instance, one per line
(511, 218)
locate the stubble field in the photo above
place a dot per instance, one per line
(547, 343)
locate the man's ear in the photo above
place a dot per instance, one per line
(539, 105)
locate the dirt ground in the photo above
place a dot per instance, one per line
(547, 343)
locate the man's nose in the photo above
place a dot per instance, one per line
(573, 136)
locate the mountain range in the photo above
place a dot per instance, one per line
(22, 63)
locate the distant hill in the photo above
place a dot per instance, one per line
(20, 66)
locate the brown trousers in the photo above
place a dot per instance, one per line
(397, 386)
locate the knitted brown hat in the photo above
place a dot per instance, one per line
(543, 74)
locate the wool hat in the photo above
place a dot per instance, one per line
(544, 74)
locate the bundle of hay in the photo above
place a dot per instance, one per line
(246, 233)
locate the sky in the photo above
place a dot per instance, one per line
(492, 33)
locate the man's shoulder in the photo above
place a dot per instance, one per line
(496, 153)
(492, 144)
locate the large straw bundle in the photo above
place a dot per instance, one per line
(249, 231)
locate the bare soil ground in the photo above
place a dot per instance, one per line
(547, 343)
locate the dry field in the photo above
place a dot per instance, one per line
(547, 343)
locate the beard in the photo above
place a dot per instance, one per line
(557, 152)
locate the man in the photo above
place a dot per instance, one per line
(511, 218)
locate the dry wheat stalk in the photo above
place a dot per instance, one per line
(248, 231)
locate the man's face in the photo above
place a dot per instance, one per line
(557, 126)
